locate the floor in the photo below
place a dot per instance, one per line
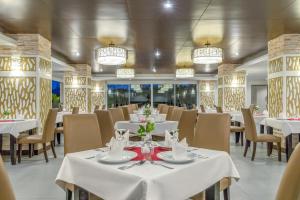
(33, 179)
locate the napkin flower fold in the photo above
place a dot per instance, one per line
(179, 149)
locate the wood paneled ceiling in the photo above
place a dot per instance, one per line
(241, 27)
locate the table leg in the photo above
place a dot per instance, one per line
(269, 130)
(80, 194)
(288, 146)
(12, 150)
(213, 192)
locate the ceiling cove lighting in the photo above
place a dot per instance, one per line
(207, 55)
(185, 73)
(111, 55)
(125, 73)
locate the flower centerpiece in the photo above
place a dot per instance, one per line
(145, 130)
(147, 111)
(6, 113)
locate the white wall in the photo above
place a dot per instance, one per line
(248, 89)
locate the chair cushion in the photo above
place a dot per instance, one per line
(268, 138)
(235, 129)
(30, 139)
(59, 129)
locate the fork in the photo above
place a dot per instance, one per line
(155, 163)
(132, 165)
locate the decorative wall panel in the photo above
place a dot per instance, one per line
(276, 65)
(89, 100)
(45, 66)
(207, 99)
(19, 96)
(78, 80)
(26, 64)
(293, 63)
(275, 101)
(45, 99)
(98, 98)
(75, 97)
(293, 96)
(220, 97)
(234, 98)
(235, 79)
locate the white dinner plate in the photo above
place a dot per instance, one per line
(167, 156)
(126, 156)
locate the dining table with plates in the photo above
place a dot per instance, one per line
(158, 176)
(14, 127)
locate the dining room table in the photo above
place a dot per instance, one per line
(14, 127)
(147, 179)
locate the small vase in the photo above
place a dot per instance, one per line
(147, 138)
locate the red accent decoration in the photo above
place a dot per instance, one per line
(7, 120)
(294, 119)
(154, 152)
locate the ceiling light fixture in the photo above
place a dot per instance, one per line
(125, 73)
(111, 55)
(168, 5)
(185, 73)
(157, 54)
(207, 55)
(154, 69)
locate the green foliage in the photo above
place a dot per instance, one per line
(6, 112)
(55, 100)
(145, 129)
(147, 111)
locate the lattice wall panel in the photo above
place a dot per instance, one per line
(276, 65)
(75, 97)
(81, 80)
(220, 97)
(45, 66)
(235, 79)
(234, 98)
(293, 63)
(45, 99)
(207, 99)
(275, 96)
(293, 96)
(27, 63)
(98, 98)
(19, 96)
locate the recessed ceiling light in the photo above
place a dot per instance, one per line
(76, 53)
(157, 54)
(168, 5)
(237, 53)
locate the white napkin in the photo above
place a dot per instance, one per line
(134, 118)
(124, 137)
(179, 149)
(116, 148)
(265, 112)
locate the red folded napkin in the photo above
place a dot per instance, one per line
(7, 120)
(154, 152)
(294, 119)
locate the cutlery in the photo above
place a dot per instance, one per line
(155, 163)
(199, 156)
(90, 157)
(102, 149)
(132, 165)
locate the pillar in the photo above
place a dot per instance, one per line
(207, 93)
(77, 88)
(231, 88)
(98, 93)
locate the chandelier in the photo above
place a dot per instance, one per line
(185, 73)
(207, 55)
(125, 73)
(111, 55)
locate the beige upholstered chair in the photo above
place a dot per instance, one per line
(159, 106)
(239, 133)
(46, 137)
(170, 112)
(202, 108)
(97, 107)
(6, 190)
(103, 107)
(106, 125)
(186, 125)
(81, 132)
(125, 110)
(289, 188)
(75, 110)
(213, 132)
(219, 109)
(251, 107)
(251, 135)
(177, 112)
(117, 114)
(164, 109)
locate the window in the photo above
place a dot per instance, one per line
(163, 93)
(186, 95)
(140, 94)
(117, 95)
(55, 94)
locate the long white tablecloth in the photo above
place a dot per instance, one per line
(60, 115)
(146, 182)
(160, 127)
(14, 128)
(154, 116)
(286, 126)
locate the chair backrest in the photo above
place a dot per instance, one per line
(97, 107)
(160, 107)
(6, 190)
(103, 107)
(213, 131)
(177, 112)
(49, 126)
(81, 132)
(202, 108)
(75, 110)
(117, 114)
(131, 108)
(170, 112)
(219, 109)
(194, 106)
(186, 125)
(125, 110)
(251, 107)
(289, 187)
(135, 106)
(165, 109)
(106, 125)
(249, 123)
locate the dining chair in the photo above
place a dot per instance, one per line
(6, 190)
(46, 137)
(186, 125)
(60, 129)
(177, 112)
(81, 133)
(213, 132)
(164, 109)
(194, 106)
(159, 106)
(251, 136)
(289, 187)
(219, 109)
(117, 114)
(97, 107)
(202, 108)
(106, 125)
(103, 107)
(239, 133)
(251, 107)
(170, 112)
(125, 110)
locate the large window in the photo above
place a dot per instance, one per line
(55, 94)
(117, 95)
(140, 94)
(163, 93)
(186, 95)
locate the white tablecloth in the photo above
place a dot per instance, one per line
(146, 182)
(154, 116)
(238, 117)
(60, 115)
(15, 127)
(160, 127)
(286, 126)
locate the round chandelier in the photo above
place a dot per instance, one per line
(207, 55)
(111, 55)
(185, 73)
(125, 73)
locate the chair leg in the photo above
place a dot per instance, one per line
(270, 148)
(45, 152)
(68, 194)
(226, 194)
(53, 149)
(237, 137)
(279, 151)
(246, 147)
(242, 138)
(254, 151)
(29, 150)
(19, 152)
